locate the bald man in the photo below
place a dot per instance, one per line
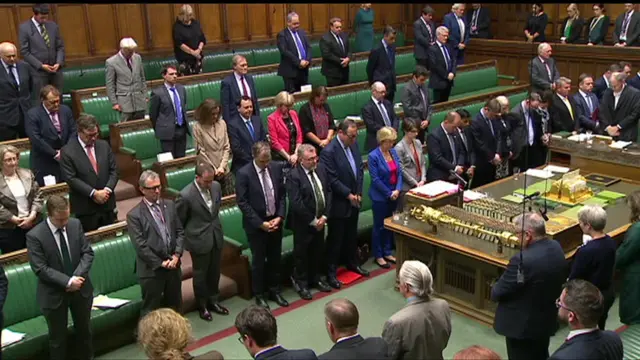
(543, 70)
(378, 113)
(16, 86)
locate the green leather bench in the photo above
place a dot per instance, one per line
(142, 145)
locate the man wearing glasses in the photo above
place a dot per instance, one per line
(527, 290)
(156, 233)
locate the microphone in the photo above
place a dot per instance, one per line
(458, 177)
(543, 212)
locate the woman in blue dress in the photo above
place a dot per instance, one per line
(363, 27)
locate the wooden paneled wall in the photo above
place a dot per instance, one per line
(92, 32)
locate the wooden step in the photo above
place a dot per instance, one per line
(125, 190)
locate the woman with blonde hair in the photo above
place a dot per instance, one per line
(212, 143)
(572, 25)
(164, 335)
(363, 27)
(188, 42)
(285, 130)
(628, 262)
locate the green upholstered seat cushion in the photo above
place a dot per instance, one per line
(480, 92)
(113, 265)
(83, 77)
(217, 62)
(269, 84)
(365, 222)
(179, 178)
(25, 162)
(144, 143)
(316, 78)
(405, 64)
(21, 303)
(231, 219)
(266, 56)
(475, 80)
(358, 71)
(210, 90)
(36, 338)
(101, 108)
(194, 96)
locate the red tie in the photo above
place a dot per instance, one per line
(244, 86)
(92, 158)
(417, 159)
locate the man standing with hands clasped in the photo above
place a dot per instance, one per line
(295, 55)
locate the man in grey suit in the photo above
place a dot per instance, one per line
(156, 233)
(198, 205)
(125, 82)
(61, 258)
(421, 329)
(16, 86)
(168, 113)
(543, 70)
(415, 101)
(42, 47)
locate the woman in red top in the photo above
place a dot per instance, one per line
(284, 129)
(316, 119)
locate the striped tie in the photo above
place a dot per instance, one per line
(45, 35)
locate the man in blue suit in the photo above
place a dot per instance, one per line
(526, 292)
(343, 164)
(458, 31)
(49, 127)
(445, 151)
(295, 55)
(378, 113)
(244, 129)
(259, 334)
(587, 104)
(237, 85)
(381, 65)
(602, 83)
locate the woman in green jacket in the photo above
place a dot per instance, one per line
(598, 25)
(363, 27)
(628, 261)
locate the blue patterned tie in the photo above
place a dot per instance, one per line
(352, 161)
(447, 58)
(251, 130)
(176, 103)
(303, 53)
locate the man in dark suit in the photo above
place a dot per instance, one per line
(445, 152)
(237, 85)
(334, 47)
(443, 65)
(263, 210)
(486, 135)
(295, 55)
(581, 305)
(563, 111)
(543, 70)
(245, 129)
(378, 113)
(602, 83)
(620, 110)
(424, 32)
(342, 320)
(309, 195)
(415, 102)
(49, 127)
(627, 29)
(157, 235)
(466, 142)
(89, 168)
(587, 103)
(458, 31)
(16, 86)
(634, 80)
(259, 334)
(381, 65)
(61, 258)
(479, 21)
(4, 288)
(529, 140)
(198, 206)
(527, 290)
(342, 162)
(41, 46)
(168, 113)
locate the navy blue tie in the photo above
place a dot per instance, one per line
(251, 130)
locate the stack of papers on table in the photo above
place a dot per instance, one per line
(435, 188)
(104, 302)
(543, 174)
(610, 195)
(470, 195)
(556, 169)
(572, 213)
(354, 118)
(10, 337)
(620, 144)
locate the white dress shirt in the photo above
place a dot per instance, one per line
(381, 108)
(306, 171)
(208, 200)
(19, 193)
(577, 332)
(623, 31)
(172, 96)
(587, 99)
(616, 97)
(57, 239)
(239, 82)
(33, 20)
(14, 71)
(295, 37)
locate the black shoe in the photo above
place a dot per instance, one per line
(260, 301)
(322, 286)
(389, 260)
(360, 270)
(277, 297)
(204, 314)
(384, 266)
(305, 294)
(218, 309)
(333, 282)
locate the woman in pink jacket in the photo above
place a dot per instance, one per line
(284, 130)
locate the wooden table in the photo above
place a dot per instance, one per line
(463, 274)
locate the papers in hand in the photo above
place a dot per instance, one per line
(543, 174)
(436, 188)
(471, 195)
(11, 337)
(620, 144)
(104, 302)
(556, 169)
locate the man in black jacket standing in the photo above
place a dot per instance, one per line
(381, 65)
(424, 32)
(442, 63)
(295, 55)
(334, 46)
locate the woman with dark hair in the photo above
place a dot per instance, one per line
(536, 24)
(316, 119)
(598, 25)
(414, 168)
(628, 262)
(188, 42)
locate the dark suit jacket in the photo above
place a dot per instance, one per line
(599, 86)
(45, 140)
(305, 116)
(250, 197)
(561, 117)
(528, 310)
(146, 237)
(163, 114)
(423, 38)
(585, 117)
(341, 178)
(450, 21)
(289, 60)
(483, 23)
(14, 102)
(485, 143)
(35, 51)
(633, 31)
(241, 141)
(468, 155)
(440, 155)
(358, 348)
(78, 173)
(633, 81)
(599, 32)
(539, 76)
(596, 345)
(230, 95)
(280, 353)
(520, 130)
(575, 34)
(438, 66)
(8, 203)
(302, 201)
(413, 105)
(625, 115)
(332, 53)
(201, 224)
(374, 121)
(46, 263)
(4, 288)
(381, 68)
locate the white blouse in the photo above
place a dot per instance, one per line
(17, 189)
